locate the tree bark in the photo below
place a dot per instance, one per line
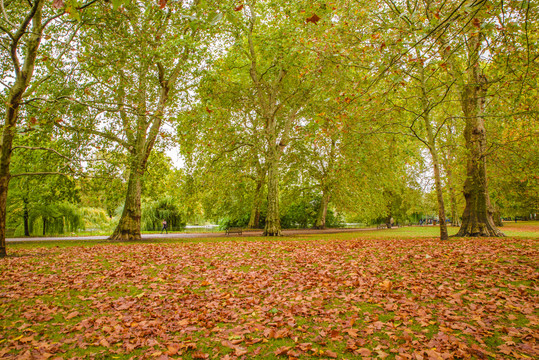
(254, 219)
(273, 220)
(388, 220)
(453, 197)
(431, 144)
(25, 217)
(13, 102)
(477, 217)
(128, 228)
(322, 213)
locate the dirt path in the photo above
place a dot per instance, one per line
(191, 235)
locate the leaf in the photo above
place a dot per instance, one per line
(72, 315)
(364, 352)
(331, 354)
(200, 355)
(116, 4)
(162, 4)
(314, 19)
(238, 8)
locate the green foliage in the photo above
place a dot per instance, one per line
(302, 213)
(96, 218)
(55, 219)
(153, 214)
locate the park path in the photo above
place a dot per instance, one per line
(190, 235)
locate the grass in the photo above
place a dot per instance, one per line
(306, 296)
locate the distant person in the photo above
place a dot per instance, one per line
(164, 227)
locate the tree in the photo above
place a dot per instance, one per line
(22, 26)
(132, 65)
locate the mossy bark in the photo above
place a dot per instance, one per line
(477, 217)
(128, 228)
(323, 211)
(273, 220)
(254, 219)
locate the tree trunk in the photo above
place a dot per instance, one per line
(25, 217)
(44, 225)
(452, 196)
(23, 77)
(273, 220)
(322, 213)
(431, 142)
(128, 228)
(254, 219)
(477, 216)
(439, 196)
(388, 221)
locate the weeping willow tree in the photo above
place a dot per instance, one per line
(153, 214)
(96, 218)
(55, 219)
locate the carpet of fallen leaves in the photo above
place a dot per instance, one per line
(280, 299)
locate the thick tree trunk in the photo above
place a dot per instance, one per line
(477, 216)
(388, 221)
(254, 219)
(323, 211)
(273, 220)
(128, 228)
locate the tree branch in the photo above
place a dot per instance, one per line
(38, 173)
(42, 148)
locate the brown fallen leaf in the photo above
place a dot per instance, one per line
(72, 315)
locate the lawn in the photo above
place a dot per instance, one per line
(395, 294)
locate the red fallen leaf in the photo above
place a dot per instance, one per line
(72, 315)
(162, 4)
(331, 354)
(364, 352)
(240, 351)
(200, 355)
(238, 8)
(282, 350)
(314, 19)
(173, 349)
(103, 342)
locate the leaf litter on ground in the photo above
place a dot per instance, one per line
(354, 298)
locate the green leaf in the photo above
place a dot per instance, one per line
(116, 4)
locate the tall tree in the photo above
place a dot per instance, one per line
(22, 25)
(134, 64)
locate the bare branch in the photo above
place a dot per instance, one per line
(5, 14)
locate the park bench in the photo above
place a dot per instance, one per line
(381, 226)
(234, 230)
(10, 232)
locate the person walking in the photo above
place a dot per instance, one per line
(164, 227)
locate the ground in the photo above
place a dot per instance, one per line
(395, 294)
